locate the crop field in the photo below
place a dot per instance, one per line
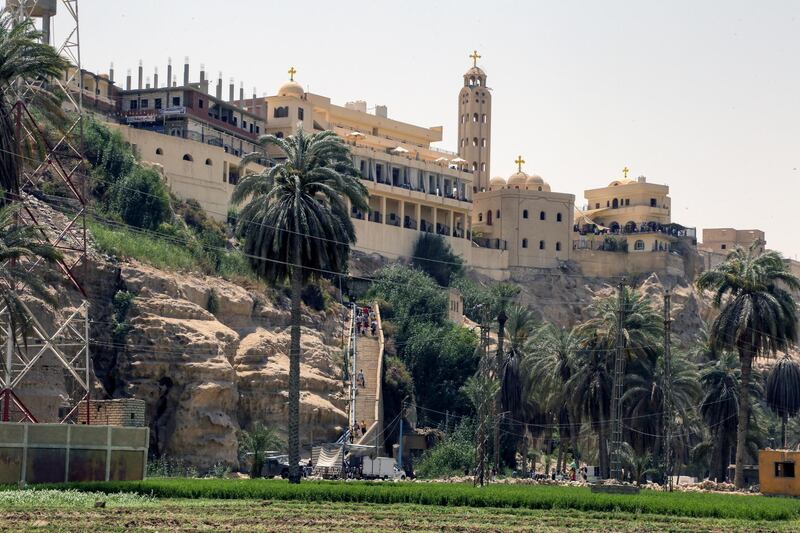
(51, 510)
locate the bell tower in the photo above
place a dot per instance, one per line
(475, 124)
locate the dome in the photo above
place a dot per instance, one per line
(621, 182)
(497, 182)
(535, 182)
(475, 71)
(291, 88)
(517, 180)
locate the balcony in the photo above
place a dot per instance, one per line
(670, 230)
(492, 244)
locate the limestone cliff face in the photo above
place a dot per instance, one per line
(205, 376)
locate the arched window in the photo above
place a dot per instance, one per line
(474, 117)
(483, 167)
(483, 118)
(524, 243)
(638, 245)
(480, 217)
(558, 247)
(463, 142)
(187, 157)
(471, 81)
(558, 217)
(540, 187)
(524, 213)
(209, 162)
(541, 245)
(483, 143)
(614, 227)
(474, 166)
(489, 217)
(474, 141)
(281, 112)
(279, 135)
(478, 82)
(159, 151)
(542, 215)
(497, 214)
(614, 203)
(464, 118)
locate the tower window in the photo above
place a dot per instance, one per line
(541, 245)
(483, 167)
(463, 142)
(524, 243)
(542, 215)
(474, 141)
(483, 143)
(474, 166)
(474, 117)
(558, 217)
(524, 213)
(483, 118)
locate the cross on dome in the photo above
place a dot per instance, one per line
(475, 57)
(625, 172)
(292, 72)
(519, 163)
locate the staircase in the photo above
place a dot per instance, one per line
(368, 406)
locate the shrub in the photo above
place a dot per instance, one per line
(141, 199)
(122, 304)
(109, 155)
(314, 297)
(453, 456)
(433, 255)
(212, 306)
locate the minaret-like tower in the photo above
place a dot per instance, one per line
(475, 124)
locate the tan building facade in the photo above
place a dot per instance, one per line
(723, 240)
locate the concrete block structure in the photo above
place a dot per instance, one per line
(779, 472)
(124, 412)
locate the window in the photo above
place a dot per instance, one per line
(209, 162)
(489, 218)
(463, 142)
(474, 117)
(614, 203)
(652, 202)
(724, 246)
(157, 103)
(627, 201)
(542, 215)
(524, 243)
(299, 113)
(280, 112)
(483, 118)
(638, 245)
(483, 167)
(541, 245)
(176, 100)
(483, 143)
(134, 105)
(474, 141)
(597, 205)
(200, 103)
(784, 469)
(187, 157)
(558, 217)
(258, 129)
(558, 247)
(480, 217)
(524, 213)
(159, 151)
(279, 135)
(463, 119)
(474, 166)
(497, 215)
(145, 103)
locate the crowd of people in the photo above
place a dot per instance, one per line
(366, 321)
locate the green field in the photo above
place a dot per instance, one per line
(52, 510)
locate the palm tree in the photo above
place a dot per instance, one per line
(296, 226)
(757, 317)
(783, 391)
(550, 353)
(23, 57)
(481, 389)
(259, 440)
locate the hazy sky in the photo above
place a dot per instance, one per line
(701, 95)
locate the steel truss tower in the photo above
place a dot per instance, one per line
(68, 340)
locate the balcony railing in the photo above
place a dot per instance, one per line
(492, 244)
(672, 230)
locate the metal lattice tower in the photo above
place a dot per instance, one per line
(68, 342)
(617, 389)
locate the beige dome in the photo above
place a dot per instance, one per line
(497, 182)
(535, 182)
(291, 88)
(475, 71)
(517, 180)
(621, 182)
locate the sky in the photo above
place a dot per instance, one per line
(703, 96)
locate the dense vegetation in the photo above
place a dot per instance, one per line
(457, 495)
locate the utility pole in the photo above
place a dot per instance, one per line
(400, 446)
(667, 392)
(480, 434)
(500, 365)
(616, 395)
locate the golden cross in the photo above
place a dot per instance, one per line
(292, 72)
(625, 172)
(475, 57)
(519, 162)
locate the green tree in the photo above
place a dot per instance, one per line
(20, 245)
(141, 199)
(414, 296)
(783, 391)
(296, 225)
(23, 56)
(256, 442)
(109, 155)
(757, 317)
(433, 254)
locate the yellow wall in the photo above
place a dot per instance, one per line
(603, 264)
(769, 484)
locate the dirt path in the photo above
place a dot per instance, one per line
(207, 515)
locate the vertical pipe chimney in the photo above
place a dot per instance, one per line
(241, 95)
(219, 86)
(128, 81)
(155, 78)
(169, 71)
(175, 81)
(230, 91)
(148, 82)
(186, 70)
(202, 73)
(140, 74)
(111, 73)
